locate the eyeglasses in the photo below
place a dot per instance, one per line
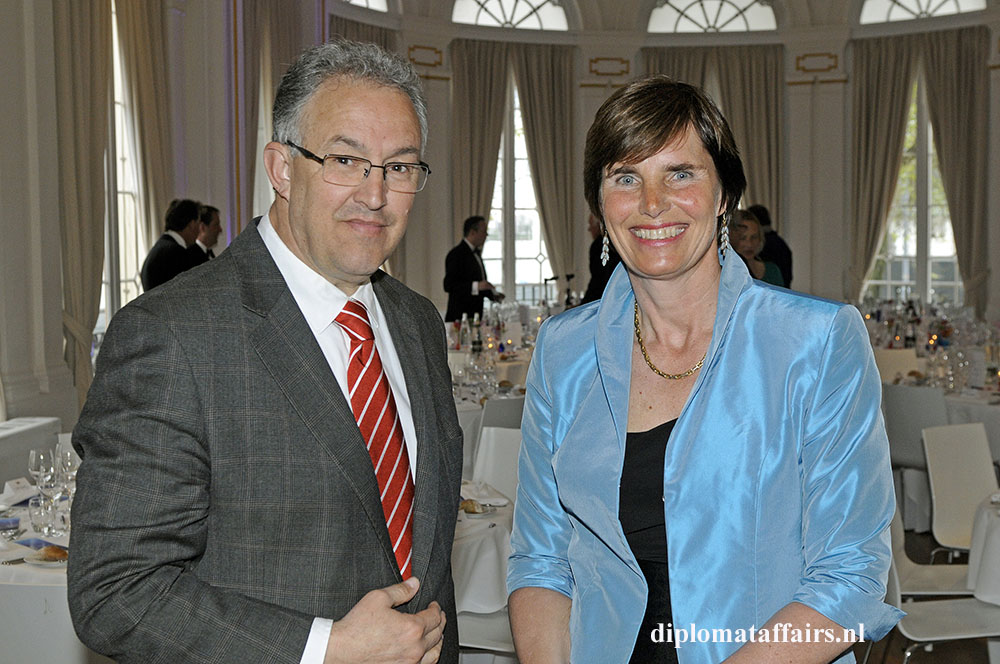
(348, 171)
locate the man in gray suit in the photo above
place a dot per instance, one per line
(230, 505)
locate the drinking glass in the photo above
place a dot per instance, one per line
(37, 458)
(40, 513)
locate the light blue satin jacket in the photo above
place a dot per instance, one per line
(776, 483)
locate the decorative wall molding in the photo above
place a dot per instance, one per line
(816, 63)
(609, 66)
(425, 56)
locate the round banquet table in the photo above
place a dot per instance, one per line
(34, 611)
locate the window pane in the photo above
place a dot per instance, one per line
(711, 16)
(377, 5)
(494, 271)
(521, 14)
(527, 235)
(880, 11)
(524, 190)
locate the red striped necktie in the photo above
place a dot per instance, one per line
(375, 411)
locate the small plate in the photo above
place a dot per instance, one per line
(489, 510)
(38, 561)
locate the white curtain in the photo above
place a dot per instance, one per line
(355, 31)
(689, 65)
(478, 96)
(544, 75)
(83, 101)
(142, 31)
(955, 67)
(751, 79)
(883, 74)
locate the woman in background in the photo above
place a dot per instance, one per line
(747, 237)
(697, 449)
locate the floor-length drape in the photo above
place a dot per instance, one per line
(142, 31)
(272, 39)
(689, 65)
(751, 81)
(955, 68)
(882, 80)
(363, 32)
(82, 29)
(478, 95)
(254, 21)
(544, 75)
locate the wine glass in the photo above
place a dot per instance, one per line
(37, 459)
(69, 463)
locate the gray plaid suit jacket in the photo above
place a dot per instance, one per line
(225, 496)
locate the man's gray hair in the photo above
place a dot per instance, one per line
(360, 61)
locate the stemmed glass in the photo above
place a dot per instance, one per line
(69, 463)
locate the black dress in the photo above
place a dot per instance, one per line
(641, 516)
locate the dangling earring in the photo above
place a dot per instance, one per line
(604, 250)
(724, 236)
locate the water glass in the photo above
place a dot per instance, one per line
(41, 515)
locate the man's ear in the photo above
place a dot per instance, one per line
(278, 165)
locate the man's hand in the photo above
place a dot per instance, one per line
(373, 631)
(485, 286)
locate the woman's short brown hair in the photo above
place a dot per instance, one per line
(642, 118)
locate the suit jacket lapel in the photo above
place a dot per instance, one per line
(286, 346)
(410, 350)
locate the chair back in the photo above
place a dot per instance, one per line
(961, 475)
(893, 361)
(892, 594)
(908, 411)
(503, 412)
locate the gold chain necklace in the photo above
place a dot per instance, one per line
(645, 355)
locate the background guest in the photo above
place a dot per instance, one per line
(747, 239)
(465, 275)
(169, 256)
(209, 228)
(775, 249)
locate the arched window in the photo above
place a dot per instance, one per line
(711, 16)
(523, 14)
(377, 5)
(881, 11)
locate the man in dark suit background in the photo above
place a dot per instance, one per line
(169, 256)
(209, 228)
(228, 508)
(465, 275)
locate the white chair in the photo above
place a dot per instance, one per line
(908, 411)
(488, 635)
(499, 445)
(896, 361)
(936, 621)
(916, 580)
(961, 474)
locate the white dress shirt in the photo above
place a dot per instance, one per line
(482, 266)
(177, 236)
(320, 303)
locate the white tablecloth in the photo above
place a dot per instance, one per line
(984, 552)
(479, 556)
(983, 407)
(34, 613)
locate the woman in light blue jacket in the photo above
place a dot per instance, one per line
(704, 463)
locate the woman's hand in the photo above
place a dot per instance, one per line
(539, 621)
